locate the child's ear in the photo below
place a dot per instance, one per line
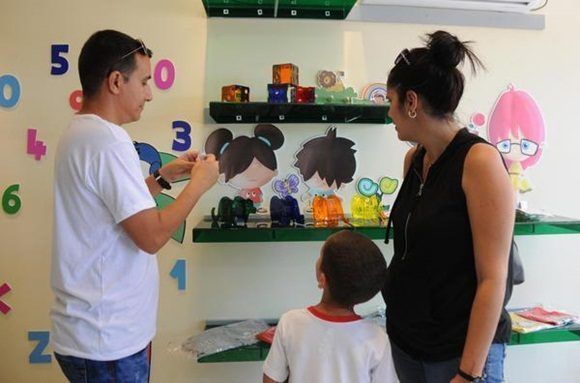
(321, 280)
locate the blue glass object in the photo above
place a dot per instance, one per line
(281, 93)
(285, 211)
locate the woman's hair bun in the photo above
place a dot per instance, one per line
(445, 49)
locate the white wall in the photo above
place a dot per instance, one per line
(228, 281)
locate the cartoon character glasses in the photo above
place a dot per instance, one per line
(527, 147)
(404, 55)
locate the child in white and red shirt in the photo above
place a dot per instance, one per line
(329, 342)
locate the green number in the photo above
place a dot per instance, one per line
(10, 201)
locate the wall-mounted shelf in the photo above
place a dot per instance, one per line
(292, 9)
(257, 112)
(370, 11)
(259, 351)
(563, 334)
(261, 230)
(366, 11)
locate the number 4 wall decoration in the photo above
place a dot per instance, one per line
(38, 148)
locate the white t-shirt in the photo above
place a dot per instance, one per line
(310, 347)
(106, 288)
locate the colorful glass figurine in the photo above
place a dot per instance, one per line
(235, 93)
(367, 205)
(327, 210)
(285, 211)
(281, 93)
(232, 213)
(285, 74)
(365, 208)
(305, 94)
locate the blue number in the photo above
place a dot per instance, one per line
(37, 355)
(179, 272)
(12, 82)
(183, 139)
(59, 63)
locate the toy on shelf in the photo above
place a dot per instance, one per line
(285, 74)
(235, 93)
(232, 213)
(284, 210)
(366, 204)
(281, 93)
(327, 211)
(364, 208)
(375, 93)
(305, 95)
(331, 90)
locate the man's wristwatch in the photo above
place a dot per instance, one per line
(161, 181)
(468, 377)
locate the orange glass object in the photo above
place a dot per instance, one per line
(327, 210)
(235, 93)
(285, 74)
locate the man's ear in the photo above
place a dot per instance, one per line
(114, 82)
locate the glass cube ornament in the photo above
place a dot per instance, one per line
(281, 93)
(305, 94)
(285, 74)
(235, 93)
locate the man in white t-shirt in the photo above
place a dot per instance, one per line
(329, 342)
(106, 226)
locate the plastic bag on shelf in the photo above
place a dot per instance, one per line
(224, 338)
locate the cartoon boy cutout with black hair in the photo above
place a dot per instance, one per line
(326, 163)
(246, 163)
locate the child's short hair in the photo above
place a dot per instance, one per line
(354, 267)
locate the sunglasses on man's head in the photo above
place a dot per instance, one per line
(404, 56)
(141, 47)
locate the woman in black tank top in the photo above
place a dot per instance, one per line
(453, 225)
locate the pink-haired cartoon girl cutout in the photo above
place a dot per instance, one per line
(516, 127)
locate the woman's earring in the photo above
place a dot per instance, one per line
(412, 114)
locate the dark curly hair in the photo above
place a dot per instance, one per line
(354, 267)
(431, 72)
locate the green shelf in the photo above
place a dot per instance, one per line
(562, 334)
(260, 230)
(292, 9)
(256, 112)
(258, 352)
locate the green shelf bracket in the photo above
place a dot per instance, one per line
(260, 230)
(256, 112)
